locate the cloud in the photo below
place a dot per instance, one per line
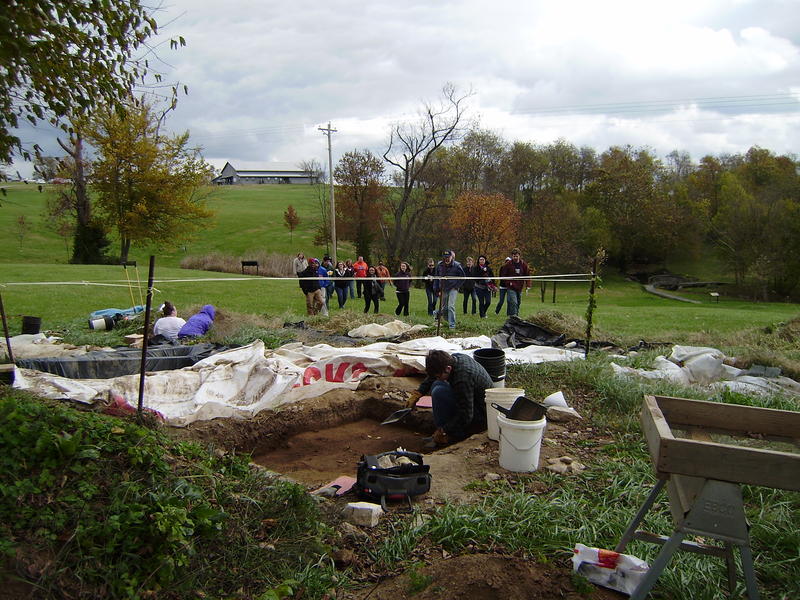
(705, 76)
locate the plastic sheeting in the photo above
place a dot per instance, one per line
(105, 364)
(702, 366)
(244, 381)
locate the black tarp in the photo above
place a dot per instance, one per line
(104, 364)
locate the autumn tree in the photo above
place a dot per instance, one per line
(147, 184)
(291, 220)
(410, 148)
(485, 224)
(63, 58)
(360, 197)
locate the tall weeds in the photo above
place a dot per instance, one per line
(270, 264)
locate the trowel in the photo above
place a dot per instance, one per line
(396, 416)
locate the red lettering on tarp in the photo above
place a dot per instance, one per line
(312, 374)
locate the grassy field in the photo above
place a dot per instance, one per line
(247, 218)
(250, 218)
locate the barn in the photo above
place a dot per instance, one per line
(276, 173)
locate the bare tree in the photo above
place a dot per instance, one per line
(312, 169)
(410, 148)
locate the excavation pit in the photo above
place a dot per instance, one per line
(316, 440)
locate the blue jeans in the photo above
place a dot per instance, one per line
(484, 300)
(431, 300)
(444, 403)
(352, 287)
(341, 295)
(500, 299)
(450, 297)
(513, 298)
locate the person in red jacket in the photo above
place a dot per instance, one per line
(516, 268)
(360, 272)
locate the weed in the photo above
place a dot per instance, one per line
(417, 581)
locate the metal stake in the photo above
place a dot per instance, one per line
(144, 339)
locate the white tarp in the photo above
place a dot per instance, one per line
(697, 365)
(244, 381)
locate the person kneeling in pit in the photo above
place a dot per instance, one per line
(457, 385)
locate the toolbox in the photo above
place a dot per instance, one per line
(394, 475)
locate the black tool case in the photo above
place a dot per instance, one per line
(400, 482)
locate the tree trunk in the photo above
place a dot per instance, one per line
(82, 204)
(125, 247)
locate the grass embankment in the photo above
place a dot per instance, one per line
(99, 507)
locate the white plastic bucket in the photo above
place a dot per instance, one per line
(503, 397)
(520, 443)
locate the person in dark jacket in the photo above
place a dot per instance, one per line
(448, 288)
(310, 284)
(468, 289)
(402, 284)
(483, 286)
(429, 293)
(501, 296)
(372, 290)
(516, 268)
(341, 283)
(198, 324)
(457, 385)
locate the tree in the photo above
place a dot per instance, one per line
(360, 197)
(313, 170)
(146, 184)
(46, 167)
(410, 148)
(291, 220)
(485, 224)
(63, 58)
(69, 205)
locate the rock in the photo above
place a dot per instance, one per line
(365, 514)
(491, 477)
(560, 414)
(349, 530)
(344, 558)
(558, 467)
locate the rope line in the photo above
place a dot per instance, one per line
(567, 278)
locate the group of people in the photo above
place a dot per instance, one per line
(171, 327)
(319, 281)
(445, 279)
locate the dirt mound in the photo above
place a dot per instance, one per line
(484, 576)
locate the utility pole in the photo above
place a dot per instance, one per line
(328, 131)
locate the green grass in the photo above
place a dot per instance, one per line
(246, 218)
(110, 509)
(624, 314)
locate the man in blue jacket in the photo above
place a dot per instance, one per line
(448, 288)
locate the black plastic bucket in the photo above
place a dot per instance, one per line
(31, 325)
(493, 360)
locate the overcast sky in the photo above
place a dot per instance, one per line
(707, 77)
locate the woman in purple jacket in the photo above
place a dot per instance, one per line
(198, 324)
(402, 284)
